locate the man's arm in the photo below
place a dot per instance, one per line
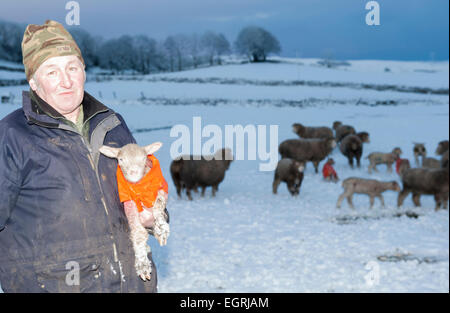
(9, 179)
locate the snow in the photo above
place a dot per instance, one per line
(248, 240)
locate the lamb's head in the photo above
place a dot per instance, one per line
(364, 136)
(225, 155)
(330, 142)
(393, 185)
(336, 124)
(132, 159)
(299, 166)
(442, 147)
(397, 152)
(299, 129)
(419, 149)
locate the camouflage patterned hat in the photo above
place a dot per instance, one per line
(42, 42)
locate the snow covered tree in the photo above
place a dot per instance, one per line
(11, 35)
(88, 45)
(256, 43)
(214, 45)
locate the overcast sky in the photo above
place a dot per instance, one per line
(409, 30)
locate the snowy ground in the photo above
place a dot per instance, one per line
(248, 240)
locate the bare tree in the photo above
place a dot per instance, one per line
(256, 43)
(11, 41)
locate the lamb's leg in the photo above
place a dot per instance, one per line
(161, 228)
(438, 201)
(389, 167)
(350, 161)
(316, 166)
(188, 193)
(203, 190)
(416, 199)
(401, 197)
(214, 190)
(276, 183)
(372, 201)
(380, 196)
(139, 237)
(370, 168)
(341, 197)
(350, 201)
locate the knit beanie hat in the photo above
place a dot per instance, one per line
(42, 42)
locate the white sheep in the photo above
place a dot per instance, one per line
(134, 164)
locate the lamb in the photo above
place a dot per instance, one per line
(135, 163)
(352, 147)
(190, 173)
(419, 150)
(371, 187)
(291, 172)
(312, 132)
(422, 181)
(304, 150)
(342, 130)
(376, 158)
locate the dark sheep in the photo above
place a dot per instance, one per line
(312, 132)
(342, 130)
(208, 171)
(442, 147)
(352, 147)
(304, 150)
(422, 181)
(291, 172)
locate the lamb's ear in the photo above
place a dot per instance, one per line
(109, 151)
(152, 148)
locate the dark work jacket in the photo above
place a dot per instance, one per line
(60, 214)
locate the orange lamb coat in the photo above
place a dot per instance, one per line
(145, 191)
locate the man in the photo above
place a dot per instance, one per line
(62, 226)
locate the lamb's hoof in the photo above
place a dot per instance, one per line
(162, 232)
(144, 269)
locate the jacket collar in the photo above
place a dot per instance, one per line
(37, 111)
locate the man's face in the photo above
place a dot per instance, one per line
(59, 81)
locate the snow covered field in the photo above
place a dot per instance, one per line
(248, 240)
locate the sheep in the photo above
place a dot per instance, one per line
(304, 150)
(352, 147)
(371, 187)
(291, 172)
(422, 181)
(312, 132)
(342, 130)
(419, 150)
(376, 158)
(202, 171)
(442, 147)
(135, 164)
(430, 163)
